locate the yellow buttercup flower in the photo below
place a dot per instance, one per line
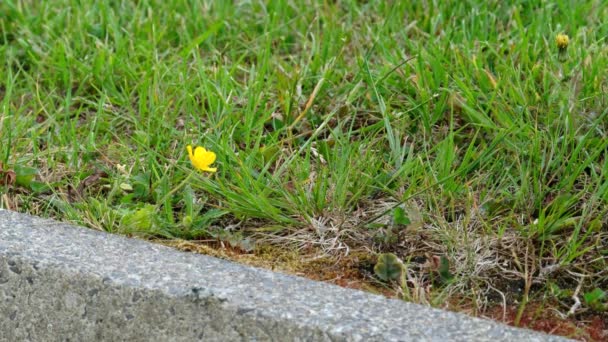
(201, 158)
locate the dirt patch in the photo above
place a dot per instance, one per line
(541, 317)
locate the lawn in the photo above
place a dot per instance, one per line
(454, 152)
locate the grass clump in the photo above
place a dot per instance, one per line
(446, 133)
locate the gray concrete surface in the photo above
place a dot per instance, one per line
(66, 283)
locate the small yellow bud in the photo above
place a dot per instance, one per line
(562, 41)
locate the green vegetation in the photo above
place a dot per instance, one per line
(454, 133)
(389, 267)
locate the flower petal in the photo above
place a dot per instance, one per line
(201, 158)
(189, 148)
(209, 157)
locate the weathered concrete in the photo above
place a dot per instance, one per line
(59, 282)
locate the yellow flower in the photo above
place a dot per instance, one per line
(562, 41)
(201, 158)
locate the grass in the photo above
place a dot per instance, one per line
(326, 118)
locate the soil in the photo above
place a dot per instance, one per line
(540, 317)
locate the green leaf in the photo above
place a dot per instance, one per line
(189, 198)
(277, 124)
(39, 187)
(141, 185)
(187, 221)
(388, 267)
(211, 216)
(126, 187)
(444, 269)
(25, 175)
(594, 297)
(400, 218)
(269, 153)
(141, 219)
(201, 38)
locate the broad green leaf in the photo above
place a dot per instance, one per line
(388, 267)
(400, 217)
(25, 175)
(141, 219)
(594, 296)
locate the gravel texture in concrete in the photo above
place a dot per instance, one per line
(65, 283)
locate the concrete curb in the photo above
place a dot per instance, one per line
(60, 282)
